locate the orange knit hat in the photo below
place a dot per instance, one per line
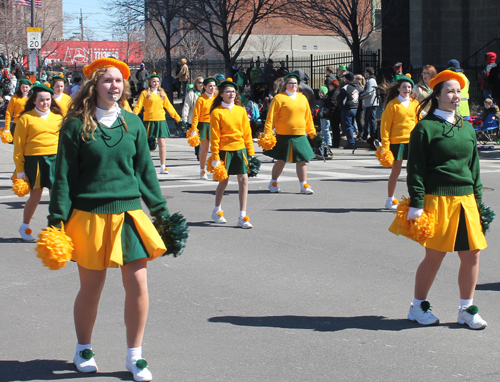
(108, 62)
(447, 75)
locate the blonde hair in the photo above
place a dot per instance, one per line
(360, 80)
(183, 61)
(161, 92)
(83, 105)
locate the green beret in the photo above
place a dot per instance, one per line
(226, 84)
(405, 79)
(292, 75)
(42, 88)
(25, 81)
(59, 78)
(154, 75)
(209, 79)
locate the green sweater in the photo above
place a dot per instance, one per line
(107, 174)
(442, 160)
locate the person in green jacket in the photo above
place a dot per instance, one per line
(444, 182)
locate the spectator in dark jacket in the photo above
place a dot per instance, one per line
(141, 75)
(282, 70)
(349, 101)
(305, 89)
(493, 81)
(331, 103)
(329, 76)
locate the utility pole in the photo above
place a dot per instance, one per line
(81, 21)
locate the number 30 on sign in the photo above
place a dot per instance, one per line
(34, 38)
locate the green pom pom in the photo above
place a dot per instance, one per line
(181, 126)
(317, 141)
(141, 364)
(87, 354)
(472, 310)
(425, 305)
(253, 166)
(173, 231)
(487, 215)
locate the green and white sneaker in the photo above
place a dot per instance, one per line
(85, 361)
(422, 314)
(469, 315)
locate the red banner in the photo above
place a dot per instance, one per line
(83, 52)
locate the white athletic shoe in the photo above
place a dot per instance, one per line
(469, 315)
(218, 217)
(203, 175)
(390, 205)
(164, 171)
(305, 189)
(422, 314)
(244, 223)
(273, 187)
(26, 234)
(140, 370)
(85, 361)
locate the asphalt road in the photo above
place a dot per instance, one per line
(318, 290)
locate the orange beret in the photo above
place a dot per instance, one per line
(447, 75)
(108, 62)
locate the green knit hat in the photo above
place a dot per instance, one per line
(42, 88)
(209, 79)
(323, 89)
(405, 79)
(292, 75)
(25, 81)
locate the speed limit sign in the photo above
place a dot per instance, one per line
(34, 38)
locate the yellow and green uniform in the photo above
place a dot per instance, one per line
(201, 115)
(292, 120)
(154, 114)
(99, 184)
(64, 103)
(35, 147)
(14, 110)
(444, 178)
(231, 138)
(398, 122)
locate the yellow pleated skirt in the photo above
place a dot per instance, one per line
(451, 232)
(108, 240)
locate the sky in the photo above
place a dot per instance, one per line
(94, 18)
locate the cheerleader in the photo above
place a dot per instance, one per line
(398, 120)
(189, 104)
(443, 180)
(16, 105)
(231, 142)
(155, 100)
(35, 148)
(103, 170)
(201, 122)
(290, 115)
(62, 99)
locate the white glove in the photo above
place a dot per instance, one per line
(6, 131)
(21, 175)
(194, 133)
(414, 213)
(215, 163)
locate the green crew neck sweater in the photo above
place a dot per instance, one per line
(442, 160)
(107, 174)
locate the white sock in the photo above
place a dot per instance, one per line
(273, 181)
(243, 214)
(80, 348)
(201, 170)
(24, 226)
(465, 302)
(217, 208)
(134, 354)
(390, 199)
(302, 183)
(163, 167)
(417, 302)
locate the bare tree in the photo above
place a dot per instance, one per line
(13, 22)
(192, 47)
(350, 20)
(226, 25)
(154, 52)
(270, 40)
(161, 17)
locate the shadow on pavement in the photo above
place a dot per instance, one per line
(50, 370)
(360, 180)
(20, 205)
(10, 240)
(333, 210)
(489, 286)
(320, 324)
(227, 192)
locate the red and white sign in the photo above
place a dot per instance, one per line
(83, 52)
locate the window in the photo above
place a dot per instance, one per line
(315, 47)
(304, 47)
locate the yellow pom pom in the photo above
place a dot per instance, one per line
(246, 218)
(275, 184)
(408, 75)
(209, 164)
(266, 142)
(229, 79)
(306, 185)
(402, 212)
(220, 172)
(21, 187)
(385, 157)
(193, 141)
(28, 231)
(54, 247)
(220, 214)
(423, 228)
(6, 137)
(395, 201)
